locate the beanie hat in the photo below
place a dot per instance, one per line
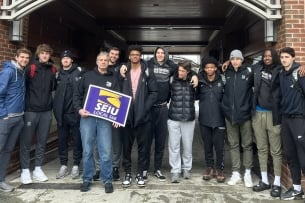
(236, 53)
(209, 60)
(66, 53)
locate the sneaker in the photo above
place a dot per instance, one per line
(140, 180)
(85, 186)
(145, 175)
(186, 174)
(127, 180)
(75, 172)
(276, 191)
(159, 175)
(63, 171)
(4, 187)
(292, 194)
(96, 177)
(220, 177)
(261, 186)
(25, 177)
(208, 174)
(175, 177)
(115, 174)
(235, 178)
(39, 175)
(248, 180)
(108, 188)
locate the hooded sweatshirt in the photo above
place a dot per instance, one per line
(12, 90)
(162, 72)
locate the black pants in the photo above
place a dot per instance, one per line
(213, 138)
(293, 135)
(159, 131)
(69, 126)
(129, 134)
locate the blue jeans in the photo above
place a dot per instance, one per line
(96, 131)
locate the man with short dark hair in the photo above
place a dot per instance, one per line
(293, 120)
(12, 91)
(64, 112)
(140, 84)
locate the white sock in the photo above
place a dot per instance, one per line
(25, 170)
(277, 181)
(248, 172)
(37, 167)
(265, 177)
(297, 187)
(236, 173)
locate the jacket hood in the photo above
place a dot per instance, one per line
(166, 56)
(14, 66)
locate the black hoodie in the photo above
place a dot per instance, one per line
(162, 72)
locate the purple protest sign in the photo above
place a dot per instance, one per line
(107, 104)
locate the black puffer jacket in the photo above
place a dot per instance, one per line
(38, 94)
(238, 94)
(183, 95)
(210, 96)
(146, 95)
(66, 82)
(274, 97)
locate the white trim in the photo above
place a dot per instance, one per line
(19, 8)
(270, 8)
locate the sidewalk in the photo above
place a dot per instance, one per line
(193, 190)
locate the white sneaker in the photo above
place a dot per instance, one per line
(248, 180)
(39, 175)
(25, 177)
(235, 178)
(63, 172)
(75, 172)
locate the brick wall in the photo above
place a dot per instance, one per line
(291, 33)
(7, 48)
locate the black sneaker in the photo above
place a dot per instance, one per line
(145, 175)
(292, 194)
(115, 174)
(85, 186)
(96, 177)
(159, 175)
(261, 186)
(108, 188)
(140, 180)
(276, 191)
(127, 181)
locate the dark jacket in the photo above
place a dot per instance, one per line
(12, 89)
(274, 95)
(38, 95)
(162, 72)
(93, 77)
(66, 82)
(210, 96)
(292, 100)
(238, 94)
(182, 107)
(146, 95)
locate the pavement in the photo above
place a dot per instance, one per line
(187, 191)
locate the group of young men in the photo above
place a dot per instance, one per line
(243, 98)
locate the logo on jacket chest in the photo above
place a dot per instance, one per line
(108, 84)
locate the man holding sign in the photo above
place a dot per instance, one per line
(93, 128)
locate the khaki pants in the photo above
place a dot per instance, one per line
(267, 134)
(237, 133)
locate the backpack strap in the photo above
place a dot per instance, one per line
(32, 70)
